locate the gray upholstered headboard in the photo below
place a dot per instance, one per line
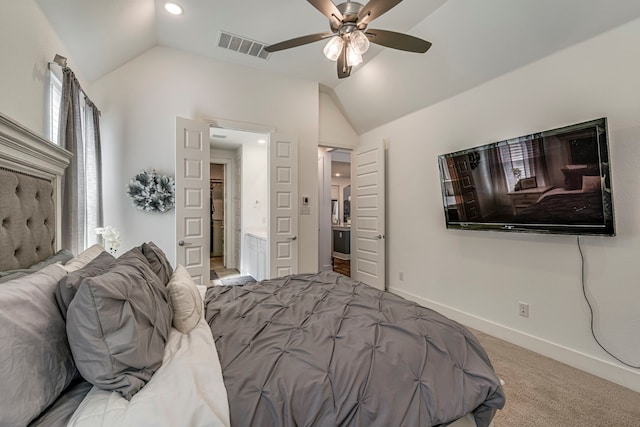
(31, 169)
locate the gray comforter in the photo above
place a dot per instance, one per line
(325, 350)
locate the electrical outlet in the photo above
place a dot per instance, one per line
(523, 309)
(401, 275)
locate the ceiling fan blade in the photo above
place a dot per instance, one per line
(344, 70)
(397, 40)
(328, 9)
(298, 41)
(373, 9)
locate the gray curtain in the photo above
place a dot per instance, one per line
(82, 184)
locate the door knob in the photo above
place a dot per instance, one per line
(183, 243)
(292, 238)
(379, 237)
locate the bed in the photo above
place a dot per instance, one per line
(323, 349)
(560, 206)
(94, 340)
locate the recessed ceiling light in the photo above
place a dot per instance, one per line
(173, 8)
(261, 141)
(337, 174)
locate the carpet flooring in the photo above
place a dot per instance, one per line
(542, 392)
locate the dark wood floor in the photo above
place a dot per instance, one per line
(342, 266)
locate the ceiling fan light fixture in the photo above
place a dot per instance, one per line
(350, 34)
(333, 48)
(359, 41)
(353, 57)
(173, 8)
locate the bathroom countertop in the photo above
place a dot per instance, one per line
(260, 234)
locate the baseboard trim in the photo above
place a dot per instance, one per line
(618, 374)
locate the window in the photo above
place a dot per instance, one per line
(55, 99)
(73, 123)
(522, 159)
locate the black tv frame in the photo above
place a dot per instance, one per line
(461, 164)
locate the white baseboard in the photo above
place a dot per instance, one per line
(618, 374)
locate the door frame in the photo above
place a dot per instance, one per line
(252, 128)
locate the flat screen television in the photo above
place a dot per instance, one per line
(557, 181)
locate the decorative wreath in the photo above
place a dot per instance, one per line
(150, 191)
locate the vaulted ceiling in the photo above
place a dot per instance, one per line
(473, 42)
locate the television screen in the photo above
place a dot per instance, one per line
(556, 181)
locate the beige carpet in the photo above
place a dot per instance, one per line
(542, 392)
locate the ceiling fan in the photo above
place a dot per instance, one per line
(349, 34)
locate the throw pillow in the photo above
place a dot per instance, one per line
(83, 258)
(158, 261)
(68, 285)
(185, 300)
(573, 177)
(118, 324)
(35, 363)
(591, 184)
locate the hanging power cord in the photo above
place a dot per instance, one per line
(584, 292)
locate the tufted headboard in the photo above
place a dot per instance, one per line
(31, 169)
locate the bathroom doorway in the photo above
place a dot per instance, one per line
(239, 203)
(217, 211)
(334, 178)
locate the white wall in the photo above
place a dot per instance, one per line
(139, 103)
(335, 130)
(27, 44)
(479, 277)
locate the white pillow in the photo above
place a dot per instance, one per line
(185, 299)
(83, 258)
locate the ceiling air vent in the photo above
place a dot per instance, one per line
(242, 45)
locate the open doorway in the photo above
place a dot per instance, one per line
(334, 180)
(239, 203)
(217, 210)
(270, 218)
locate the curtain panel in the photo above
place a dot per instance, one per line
(82, 185)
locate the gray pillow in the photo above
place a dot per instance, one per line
(118, 324)
(158, 261)
(62, 256)
(35, 361)
(83, 258)
(69, 284)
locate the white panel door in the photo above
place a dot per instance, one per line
(283, 204)
(368, 215)
(192, 198)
